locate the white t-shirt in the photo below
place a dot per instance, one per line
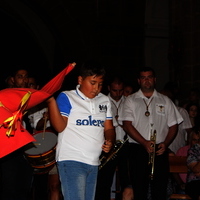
(36, 116)
(83, 137)
(116, 107)
(163, 114)
(180, 139)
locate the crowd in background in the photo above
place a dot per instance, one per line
(46, 185)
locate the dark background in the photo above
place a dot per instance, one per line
(44, 36)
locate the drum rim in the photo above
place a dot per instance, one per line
(46, 131)
(46, 152)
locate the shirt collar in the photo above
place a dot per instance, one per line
(121, 99)
(140, 94)
(81, 95)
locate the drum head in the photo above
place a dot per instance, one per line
(45, 141)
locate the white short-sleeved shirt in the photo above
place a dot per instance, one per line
(36, 116)
(83, 137)
(181, 136)
(163, 114)
(116, 107)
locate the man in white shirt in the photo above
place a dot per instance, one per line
(151, 120)
(106, 174)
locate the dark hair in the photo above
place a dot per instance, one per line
(146, 69)
(14, 73)
(194, 131)
(189, 105)
(115, 78)
(90, 68)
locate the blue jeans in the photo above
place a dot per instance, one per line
(78, 180)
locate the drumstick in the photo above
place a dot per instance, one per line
(44, 129)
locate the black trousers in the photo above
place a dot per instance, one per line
(140, 174)
(105, 175)
(16, 176)
(40, 186)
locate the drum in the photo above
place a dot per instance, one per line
(43, 170)
(41, 153)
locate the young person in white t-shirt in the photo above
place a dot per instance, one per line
(83, 120)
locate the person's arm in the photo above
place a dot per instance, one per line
(133, 133)
(195, 167)
(128, 194)
(58, 121)
(168, 140)
(171, 135)
(110, 136)
(42, 122)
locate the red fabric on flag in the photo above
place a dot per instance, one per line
(12, 143)
(10, 100)
(55, 84)
(11, 97)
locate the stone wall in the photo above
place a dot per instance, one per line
(185, 44)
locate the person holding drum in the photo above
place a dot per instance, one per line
(46, 183)
(83, 120)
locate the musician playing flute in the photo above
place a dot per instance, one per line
(83, 120)
(149, 118)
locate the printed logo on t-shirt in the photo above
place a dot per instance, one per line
(102, 108)
(160, 109)
(90, 122)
